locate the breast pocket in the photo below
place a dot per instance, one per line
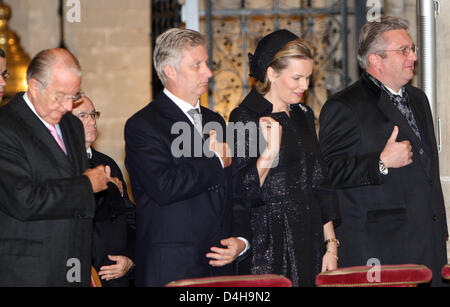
(20, 247)
(386, 230)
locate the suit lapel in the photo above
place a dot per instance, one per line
(41, 134)
(419, 112)
(74, 152)
(168, 109)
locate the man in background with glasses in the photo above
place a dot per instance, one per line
(46, 189)
(114, 234)
(378, 139)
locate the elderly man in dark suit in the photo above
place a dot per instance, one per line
(186, 226)
(46, 193)
(378, 139)
(114, 231)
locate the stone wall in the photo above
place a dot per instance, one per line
(112, 42)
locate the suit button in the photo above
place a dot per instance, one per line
(79, 215)
(435, 218)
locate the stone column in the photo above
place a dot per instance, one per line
(36, 22)
(112, 42)
(443, 94)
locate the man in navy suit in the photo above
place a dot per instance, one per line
(187, 226)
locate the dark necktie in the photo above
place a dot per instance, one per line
(402, 104)
(89, 155)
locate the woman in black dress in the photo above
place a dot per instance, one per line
(284, 184)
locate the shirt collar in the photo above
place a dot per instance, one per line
(382, 85)
(31, 106)
(399, 93)
(89, 152)
(183, 105)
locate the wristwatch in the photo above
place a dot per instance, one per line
(383, 169)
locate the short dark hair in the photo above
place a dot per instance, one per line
(2, 53)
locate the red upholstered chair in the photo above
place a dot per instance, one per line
(446, 272)
(406, 275)
(268, 280)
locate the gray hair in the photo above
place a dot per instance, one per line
(371, 37)
(41, 65)
(169, 48)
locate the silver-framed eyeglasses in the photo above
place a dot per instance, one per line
(405, 50)
(61, 97)
(6, 75)
(85, 115)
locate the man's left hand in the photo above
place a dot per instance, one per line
(224, 256)
(118, 270)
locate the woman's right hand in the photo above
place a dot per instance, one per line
(272, 132)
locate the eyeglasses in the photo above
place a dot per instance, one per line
(85, 115)
(60, 98)
(405, 50)
(6, 75)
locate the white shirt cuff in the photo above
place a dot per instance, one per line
(247, 246)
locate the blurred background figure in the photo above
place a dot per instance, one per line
(114, 222)
(4, 75)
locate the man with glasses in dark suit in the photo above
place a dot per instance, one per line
(113, 239)
(46, 189)
(377, 137)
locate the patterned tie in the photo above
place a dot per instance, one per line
(197, 117)
(58, 140)
(401, 102)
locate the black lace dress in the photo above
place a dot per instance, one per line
(288, 212)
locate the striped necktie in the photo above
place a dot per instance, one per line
(197, 117)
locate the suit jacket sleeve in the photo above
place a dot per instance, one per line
(150, 161)
(246, 184)
(26, 196)
(340, 139)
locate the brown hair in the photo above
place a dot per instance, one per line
(371, 37)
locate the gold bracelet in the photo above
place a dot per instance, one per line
(333, 240)
(330, 252)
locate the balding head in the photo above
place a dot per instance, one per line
(42, 64)
(54, 83)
